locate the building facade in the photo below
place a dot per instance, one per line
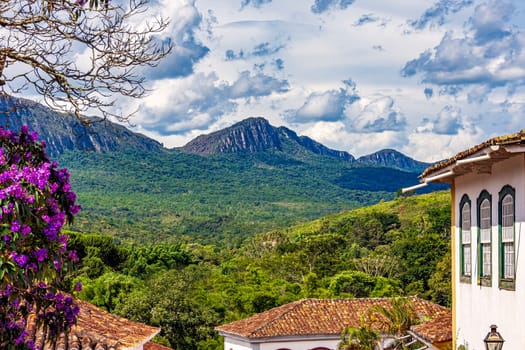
(488, 214)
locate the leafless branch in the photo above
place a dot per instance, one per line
(41, 40)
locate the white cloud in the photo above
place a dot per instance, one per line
(429, 147)
(431, 77)
(448, 121)
(377, 116)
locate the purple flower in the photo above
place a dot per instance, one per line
(33, 136)
(20, 339)
(32, 266)
(15, 226)
(40, 254)
(74, 209)
(25, 230)
(78, 287)
(7, 291)
(37, 200)
(73, 256)
(20, 259)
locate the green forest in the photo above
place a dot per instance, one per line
(393, 248)
(164, 195)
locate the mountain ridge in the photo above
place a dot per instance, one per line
(256, 134)
(63, 132)
(392, 158)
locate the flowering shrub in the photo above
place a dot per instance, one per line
(36, 200)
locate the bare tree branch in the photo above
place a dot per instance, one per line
(40, 38)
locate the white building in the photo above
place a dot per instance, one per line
(317, 324)
(488, 214)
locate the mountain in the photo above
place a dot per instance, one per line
(254, 135)
(226, 186)
(64, 132)
(393, 159)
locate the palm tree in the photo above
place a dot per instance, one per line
(396, 318)
(363, 338)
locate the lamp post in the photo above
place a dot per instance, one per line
(493, 340)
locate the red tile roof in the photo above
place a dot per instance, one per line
(98, 329)
(505, 140)
(438, 330)
(153, 346)
(320, 317)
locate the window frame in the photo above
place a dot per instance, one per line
(485, 247)
(465, 278)
(505, 282)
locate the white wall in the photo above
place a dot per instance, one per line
(477, 307)
(300, 345)
(235, 344)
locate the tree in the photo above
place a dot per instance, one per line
(362, 338)
(440, 283)
(396, 318)
(41, 43)
(171, 301)
(36, 200)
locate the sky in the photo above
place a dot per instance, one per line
(427, 78)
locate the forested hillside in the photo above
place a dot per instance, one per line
(222, 187)
(144, 196)
(399, 247)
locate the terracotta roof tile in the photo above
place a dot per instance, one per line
(98, 329)
(505, 140)
(437, 330)
(153, 346)
(317, 317)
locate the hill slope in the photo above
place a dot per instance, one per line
(153, 195)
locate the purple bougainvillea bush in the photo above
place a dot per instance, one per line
(36, 200)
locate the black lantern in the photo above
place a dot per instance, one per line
(493, 340)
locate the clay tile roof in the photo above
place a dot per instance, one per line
(317, 317)
(98, 329)
(153, 346)
(505, 140)
(438, 330)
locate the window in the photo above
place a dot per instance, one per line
(506, 212)
(485, 238)
(465, 240)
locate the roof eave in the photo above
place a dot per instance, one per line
(477, 159)
(280, 338)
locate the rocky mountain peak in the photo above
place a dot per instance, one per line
(254, 135)
(250, 135)
(394, 159)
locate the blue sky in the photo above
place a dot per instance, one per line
(428, 78)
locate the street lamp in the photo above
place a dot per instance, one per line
(493, 340)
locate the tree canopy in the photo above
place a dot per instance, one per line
(78, 55)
